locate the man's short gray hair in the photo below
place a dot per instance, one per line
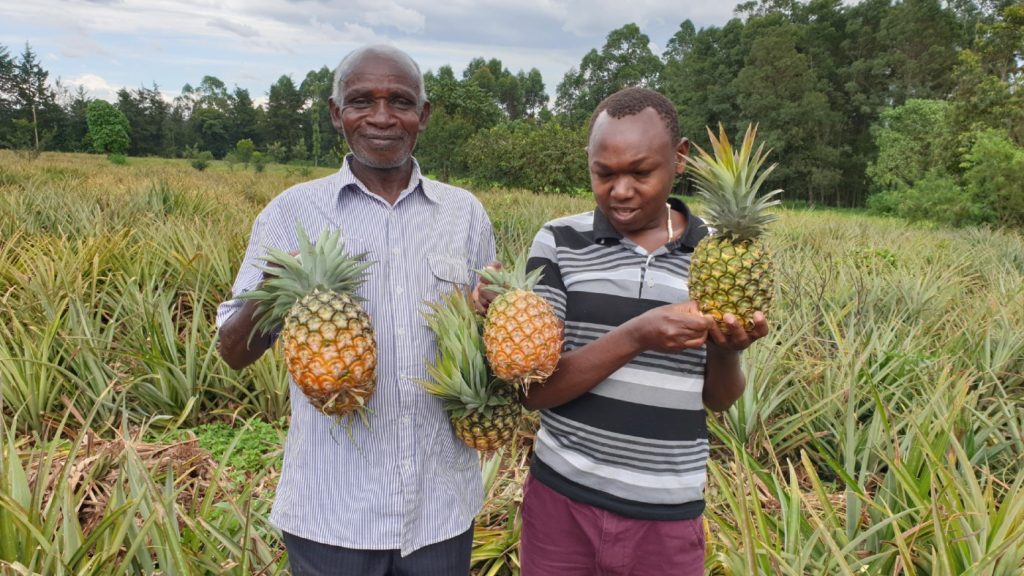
(345, 68)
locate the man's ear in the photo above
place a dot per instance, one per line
(335, 110)
(424, 115)
(682, 151)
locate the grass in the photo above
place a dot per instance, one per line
(882, 430)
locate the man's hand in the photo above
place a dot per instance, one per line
(482, 297)
(671, 328)
(735, 337)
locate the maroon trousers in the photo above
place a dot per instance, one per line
(562, 537)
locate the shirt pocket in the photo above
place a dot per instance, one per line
(448, 272)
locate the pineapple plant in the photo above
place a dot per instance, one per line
(731, 270)
(483, 410)
(328, 342)
(522, 333)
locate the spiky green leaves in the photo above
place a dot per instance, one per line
(729, 182)
(324, 266)
(511, 279)
(459, 375)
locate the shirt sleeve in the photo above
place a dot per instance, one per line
(544, 254)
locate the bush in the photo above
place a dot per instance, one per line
(119, 159)
(202, 160)
(994, 178)
(936, 198)
(259, 161)
(542, 157)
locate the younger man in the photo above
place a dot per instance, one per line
(617, 481)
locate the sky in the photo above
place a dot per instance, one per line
(105, 45)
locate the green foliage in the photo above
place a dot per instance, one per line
(543, 157)
(246, 448)
(244, 150)
(935, 197)
(912, 139)
(118, 159)
(259, 161)
(108, 128)
(201, 160)
(624, 60)
(994, 178)
(277, 152)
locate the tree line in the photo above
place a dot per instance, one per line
(898, 105)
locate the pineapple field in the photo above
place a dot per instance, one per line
(881, 431)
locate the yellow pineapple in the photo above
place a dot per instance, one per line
(327, 338)
(483, 410)
(731, 270)
(522, 333)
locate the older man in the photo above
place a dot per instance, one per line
(399, 496)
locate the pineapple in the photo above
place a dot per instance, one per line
(522, 333)
(731, 271)
(327, 338)
(484, 411)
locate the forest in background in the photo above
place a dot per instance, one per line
(913, 108)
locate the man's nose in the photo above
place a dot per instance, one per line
(380, 112)
(622, 187)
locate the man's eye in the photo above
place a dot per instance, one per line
(403, 103)
(358, 102)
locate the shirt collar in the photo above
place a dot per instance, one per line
(347, 179)
(695, 227)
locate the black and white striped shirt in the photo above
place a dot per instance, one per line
(636, 444)
(405, 481)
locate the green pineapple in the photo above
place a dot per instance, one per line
(731, 271)
(328, 341)
(483, 410)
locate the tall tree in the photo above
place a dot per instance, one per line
(242, 118)
(32, 91)
(285, 114)
(922, 38)
(108, 128)
(146, 111)
(316, 88)
(625, 60)
(779, 90)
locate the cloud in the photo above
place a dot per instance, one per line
(96, 87)
(390, 14)
(241, 29)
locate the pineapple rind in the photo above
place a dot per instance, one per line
(731, 278)
(523, 338)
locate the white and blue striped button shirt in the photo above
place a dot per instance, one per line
(405, 481)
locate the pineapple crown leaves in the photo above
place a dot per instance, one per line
(511, 279)
(324, 266)
(729, 181)
(459, 375)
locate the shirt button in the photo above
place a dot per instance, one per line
(400, 331)
(396, 251)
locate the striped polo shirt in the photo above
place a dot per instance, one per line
(637, 443)
(404, 481)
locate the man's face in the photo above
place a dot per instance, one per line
(380, 116)
(632, 167)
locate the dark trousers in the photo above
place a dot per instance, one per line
(446, 558)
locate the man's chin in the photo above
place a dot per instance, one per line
(381, 163)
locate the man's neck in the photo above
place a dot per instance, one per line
(388, 183)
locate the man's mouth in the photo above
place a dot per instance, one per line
(624, 211)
